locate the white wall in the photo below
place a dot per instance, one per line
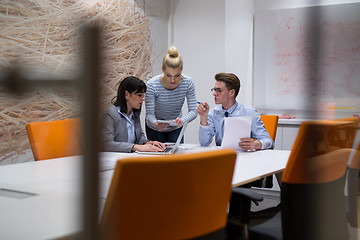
(260, 5)
(212, 37)
(158, 12)
(238, 44)
(217, 36)
(199, 35)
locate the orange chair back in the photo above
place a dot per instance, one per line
(54, 139)
(179, 196)
(315, 142)
(313, 183)
(270, 123)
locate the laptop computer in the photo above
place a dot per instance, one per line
(170, 149)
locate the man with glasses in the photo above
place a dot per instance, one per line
(226, 89)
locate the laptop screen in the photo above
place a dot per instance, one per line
(172, 147)
(182, 132)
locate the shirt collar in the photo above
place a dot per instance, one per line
(231, 109)
(124, 115)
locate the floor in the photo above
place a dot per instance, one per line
(269, 207)
(266, 208)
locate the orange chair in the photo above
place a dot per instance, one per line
(313, 205)
(54, 139)
(270, 123)
(181, 196)
(241, 205)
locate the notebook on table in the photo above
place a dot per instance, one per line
(170, 149)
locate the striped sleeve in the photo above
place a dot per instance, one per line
(191, 102)
(150, 103)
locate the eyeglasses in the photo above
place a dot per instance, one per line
(218, 90)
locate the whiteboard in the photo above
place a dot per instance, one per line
(290, 73)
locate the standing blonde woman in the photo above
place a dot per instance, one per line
(165, 97)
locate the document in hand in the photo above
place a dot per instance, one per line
(234, 129)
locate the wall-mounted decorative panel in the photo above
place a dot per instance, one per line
(43, 36)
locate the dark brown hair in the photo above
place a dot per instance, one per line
(231, 81)
(131, 84)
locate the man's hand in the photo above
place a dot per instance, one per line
(250, 144)
(203, 110)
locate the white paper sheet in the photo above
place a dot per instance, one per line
(234, 129)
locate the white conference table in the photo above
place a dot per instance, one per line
(55, 208)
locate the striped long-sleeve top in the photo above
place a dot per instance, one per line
(164, 104)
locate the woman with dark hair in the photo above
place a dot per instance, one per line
(121, 127)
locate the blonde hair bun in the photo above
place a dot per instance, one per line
(172, 59)
(173, 52)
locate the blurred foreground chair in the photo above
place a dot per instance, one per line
(54, 139)
(179, 196)
(353, 179)
(313, 204)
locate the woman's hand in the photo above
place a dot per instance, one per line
(161, 126)
(179, 122)
(147, 148)
(157, 144)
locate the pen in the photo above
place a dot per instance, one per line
(198, 102)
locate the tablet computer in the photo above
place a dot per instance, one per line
(170, 122)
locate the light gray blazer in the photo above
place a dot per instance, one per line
(114, 131)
